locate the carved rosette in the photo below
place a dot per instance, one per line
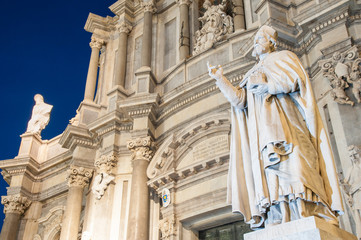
(79, 176)
(149, 7)
(15, 204)
(96, 43)
(124, 28)
(167, 226)
(181, 2)
(142, 148)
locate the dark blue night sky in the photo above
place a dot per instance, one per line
(44, 49)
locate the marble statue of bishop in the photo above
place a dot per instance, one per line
(281, 165)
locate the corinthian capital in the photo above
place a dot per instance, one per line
(124, 28)
(149, 6)
(142, 148)
(96, 42)
(105, 164)
(181, 2)
(15, 203)
(79, 176)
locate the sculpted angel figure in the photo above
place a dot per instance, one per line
(281, 166)
(40, 116)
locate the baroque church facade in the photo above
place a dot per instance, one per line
(146, 156)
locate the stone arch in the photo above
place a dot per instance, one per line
(179, 144)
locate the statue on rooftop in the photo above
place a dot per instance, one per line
(40, 116)
(281, 165)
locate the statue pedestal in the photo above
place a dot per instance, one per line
(304, 229)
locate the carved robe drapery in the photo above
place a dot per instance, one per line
(279, 148)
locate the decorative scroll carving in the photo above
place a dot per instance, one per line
(124, 28)
(167, 226)
(15, 204)
(216, 24)
(40, 116)
(79, 176)
(341, 70)
(149, 6)
(352, 186)
(96, 42)
(142, 148)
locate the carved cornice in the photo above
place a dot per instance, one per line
(142, 148)
(79, 176)
(149, 6)
(15, 204)
(77, 136)
(124, 28)
(105, 164)
(181, 2)
(96, 43)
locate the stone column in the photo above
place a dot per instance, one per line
(149, 9)
(238, 15)
(78, 179)
(124, 29)
(138, 224)
(91, 80)
(184, 42)
(14, 207)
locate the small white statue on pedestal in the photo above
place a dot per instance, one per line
(40, 116)
(281, 166)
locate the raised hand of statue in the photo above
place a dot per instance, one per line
(214, 72)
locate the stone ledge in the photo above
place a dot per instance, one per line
(304, 229)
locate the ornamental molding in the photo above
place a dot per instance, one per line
(96, 43)
(167, 226)
(142, 148)
(343, 71)
(186, 2)
(52, 222)
(124, 27)
(15, 204)
(149, 6)
(181, 103)
(79, 176)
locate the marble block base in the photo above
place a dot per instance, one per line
(304, 229)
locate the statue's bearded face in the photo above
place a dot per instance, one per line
(261, 45)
